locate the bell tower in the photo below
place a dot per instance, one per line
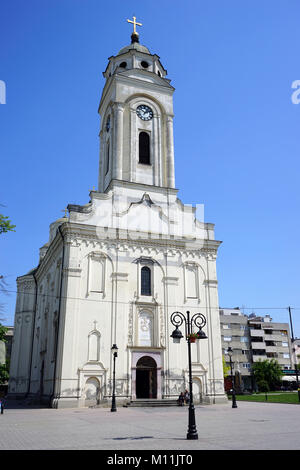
(136, 110)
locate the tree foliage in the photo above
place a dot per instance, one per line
(267, 372)
(4, 373)
(226, 368)
(3, 331)
(6, 225)
(4, 368)
(263, 386)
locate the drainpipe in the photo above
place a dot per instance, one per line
(58, 316)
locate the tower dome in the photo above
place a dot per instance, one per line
(136, 46)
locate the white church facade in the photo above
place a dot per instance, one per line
(114, 270)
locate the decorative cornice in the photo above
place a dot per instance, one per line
(117, 239)
(146, 348)
(72, 272)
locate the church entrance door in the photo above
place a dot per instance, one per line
(146, 378)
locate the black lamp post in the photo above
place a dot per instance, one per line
(114, 350)
(177, 318)
(234, 405)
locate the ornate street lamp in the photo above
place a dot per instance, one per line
(177, 319)
(230, 351)
(114, 350)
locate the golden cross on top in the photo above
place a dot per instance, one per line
(65, 211)
(134, 24)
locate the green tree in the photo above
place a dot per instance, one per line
(263, 386)
(3, 331)
(4, 373)
(4, 368)
(267, 371)
(5, 224)
(226, 368)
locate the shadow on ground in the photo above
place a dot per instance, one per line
(10, 404)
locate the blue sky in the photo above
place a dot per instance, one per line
(236, 129)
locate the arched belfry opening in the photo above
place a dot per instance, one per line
(144, 148)
(146, 378)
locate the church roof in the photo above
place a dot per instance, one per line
(135, 45)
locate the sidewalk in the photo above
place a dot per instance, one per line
(248, 427)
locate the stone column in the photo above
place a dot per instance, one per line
(156, 163)
(158, 383)
(118, 151)
(101, 164)
(132, 145)
(170, 152)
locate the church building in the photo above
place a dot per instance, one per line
(115, 269)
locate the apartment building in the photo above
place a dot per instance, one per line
(270, 340)
(296, 352)
(253, 338)
(235, 333)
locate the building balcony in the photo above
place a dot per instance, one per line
(258, 345)
(279, 337)
(259, 358)
(283, 361)
(234, 343)
(256, 333)
(277, 349)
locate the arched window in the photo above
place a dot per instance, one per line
(145, 281)
(144, 148)
(107, 158)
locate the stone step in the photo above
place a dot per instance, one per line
(142, 402)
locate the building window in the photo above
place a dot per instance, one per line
(145, 281)
(144, 148)
(226, 327)
(227, 338)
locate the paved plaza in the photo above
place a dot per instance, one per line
(251, 426)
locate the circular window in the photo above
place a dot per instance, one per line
(144, 64)
(123, 65)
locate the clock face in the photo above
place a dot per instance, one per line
(144, 112)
